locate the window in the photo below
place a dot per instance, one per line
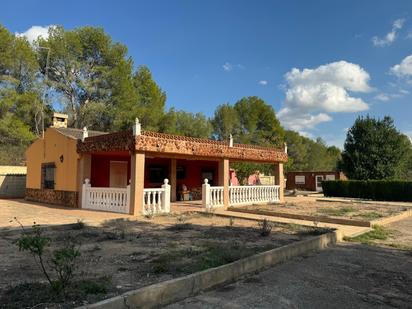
(300, 180)
(180, 172)
(157, 173)
(47, 173)
(330, 177)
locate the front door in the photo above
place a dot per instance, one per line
(319, 179)
(118, 174)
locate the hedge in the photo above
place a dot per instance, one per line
(379, 190)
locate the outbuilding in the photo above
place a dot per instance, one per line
(311, 180)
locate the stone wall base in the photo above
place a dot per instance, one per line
(56, 197)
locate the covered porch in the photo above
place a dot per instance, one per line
(140, 172)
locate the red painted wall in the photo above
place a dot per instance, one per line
(100, 171)
(100, 165)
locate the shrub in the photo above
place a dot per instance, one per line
(265, 227)
(62, 261)
(380, 190)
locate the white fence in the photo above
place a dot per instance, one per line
(155, 201)
(243, 195)
(213, 197)
(106, 199)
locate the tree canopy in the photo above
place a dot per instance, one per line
(94, 80)
(375, 149)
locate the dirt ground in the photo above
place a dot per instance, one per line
(122, 255)
(310, 207)
(349, 275)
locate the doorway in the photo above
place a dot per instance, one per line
(118, 174)
(319, 179)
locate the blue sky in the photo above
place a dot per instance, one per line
(320, 64)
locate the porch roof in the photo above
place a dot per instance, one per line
(175, 145)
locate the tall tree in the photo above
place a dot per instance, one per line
(374, 149)
(226, 121)
(306, 154)
(19, 97)
(250, 120)
(88, 70)
(185, 123)
(258, 123)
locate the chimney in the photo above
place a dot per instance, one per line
(59, 120)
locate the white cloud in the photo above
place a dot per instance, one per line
(390, 37)
(34, 32)
(227, 66)
(382, 97)
(404, 69)
(263, 82)
(313, 93)
(296, 121)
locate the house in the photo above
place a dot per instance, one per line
(312, 180)
(138, 171)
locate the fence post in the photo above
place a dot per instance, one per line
(166, 196)
(206, 194)
(84, 196)
(128, 198)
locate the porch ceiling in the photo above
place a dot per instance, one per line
(180, 146)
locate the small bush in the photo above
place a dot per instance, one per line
(379, 190)
(265, 227)
(79, 225)
(62, 261)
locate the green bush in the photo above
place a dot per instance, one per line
(379, 190)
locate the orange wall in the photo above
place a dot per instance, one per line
(48, 150)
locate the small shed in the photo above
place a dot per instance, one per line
(311, 180)
(12, 181)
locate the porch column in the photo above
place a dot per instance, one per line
(280, 180)
(224, 180)
(173, 180)
(137, 183)
(84, 171)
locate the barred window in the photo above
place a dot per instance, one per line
(47, 172)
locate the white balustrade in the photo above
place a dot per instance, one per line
(212, 197)
(243, 195)
(157, 200)
(106, 199)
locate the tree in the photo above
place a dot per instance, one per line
(306, 154)
(226, 121)
(185, 123)
(251, 121)
(19, 97)
(87, 70)
(375, 149)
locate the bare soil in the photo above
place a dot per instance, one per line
(122, 255)
(311, 207)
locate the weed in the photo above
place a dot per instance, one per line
(265, 227)
(370, 215)
(181, 218)
(339, 212)
(378, 232)
(79, 225)
(231, 221)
